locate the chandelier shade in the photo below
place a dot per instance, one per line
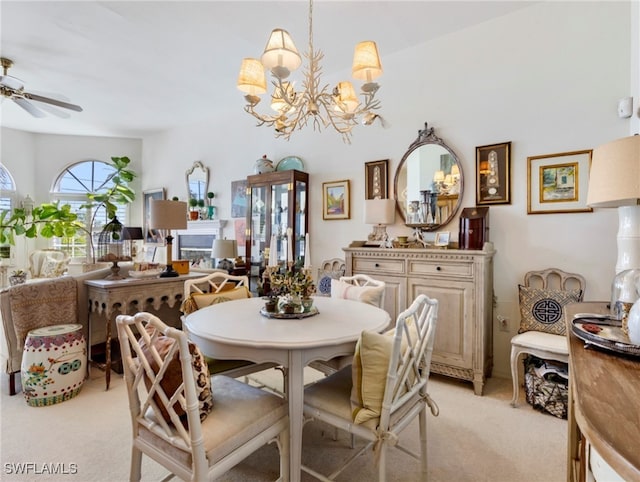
(366, 61)
(251, 79)
(316, 104)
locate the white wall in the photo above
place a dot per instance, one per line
(547, 78)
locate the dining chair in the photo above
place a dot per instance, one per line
(359, 287)
(174, 421)
(384, 390)
(329, 269)
(542, 330)
(219, 287)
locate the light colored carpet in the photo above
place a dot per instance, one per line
(474, 439)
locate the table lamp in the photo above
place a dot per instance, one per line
(168, 215)
(614, 182)
(223, 249)
(380, 213)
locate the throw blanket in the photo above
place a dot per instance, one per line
(45, 303)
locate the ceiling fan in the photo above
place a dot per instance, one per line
(13, 88)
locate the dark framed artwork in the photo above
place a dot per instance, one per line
(377, 179)
(151, 235)
(239, 199)
(493, 174)
(335, 200)
(558, 183)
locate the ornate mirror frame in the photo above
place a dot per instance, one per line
(437, 183)
(197, 180)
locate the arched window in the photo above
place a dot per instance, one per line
(71, 187)
(7, 190)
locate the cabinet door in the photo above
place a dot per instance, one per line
(395, 295)
(454, 331)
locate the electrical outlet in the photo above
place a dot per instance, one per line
(503, 323)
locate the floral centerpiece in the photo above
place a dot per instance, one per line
(293, 289)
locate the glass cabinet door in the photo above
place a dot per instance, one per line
(278, 202)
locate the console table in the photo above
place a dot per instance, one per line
(128, 296)
(462, 282)
(603, 412)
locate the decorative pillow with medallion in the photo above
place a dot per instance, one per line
(543, 310)
(172, 379)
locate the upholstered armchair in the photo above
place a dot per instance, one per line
(48, 263)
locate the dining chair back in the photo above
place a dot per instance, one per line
(173, 419)
(219, 287)
(549, 290)
(385, 389)
(329, 269)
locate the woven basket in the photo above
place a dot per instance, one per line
(544, 395)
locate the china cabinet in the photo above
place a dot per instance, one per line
(276, 201)
(461, 281)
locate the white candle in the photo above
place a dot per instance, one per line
(273, 252)
(307, 252)
(289, 245)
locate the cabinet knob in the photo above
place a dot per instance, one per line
(377, 265)
(438, 268)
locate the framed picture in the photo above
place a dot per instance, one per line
(442, 238)
(493, 174)
(239, 199)
(151, 235)
(335, 200)
(557, 183)
(377, 179)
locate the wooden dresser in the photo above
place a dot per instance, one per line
(462, 282)
(604, 410)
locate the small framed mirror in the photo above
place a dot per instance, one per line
(428, 183)
(197, 178)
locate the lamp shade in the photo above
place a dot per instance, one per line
(366, 61)
(224, 248)
(167, 214)
(379, 211)
(281, 52)
(614, 178)
(346, 99)
(251, 79)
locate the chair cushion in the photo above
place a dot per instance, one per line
(369, 375)
(543, 309)
(542, 342)
(197, 301)
(172, 379)
(366, 294)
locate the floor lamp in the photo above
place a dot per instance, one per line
(168, 215)
(614, 182)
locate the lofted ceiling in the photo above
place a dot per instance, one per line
(142, 66)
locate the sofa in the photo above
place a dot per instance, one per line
(11, 348)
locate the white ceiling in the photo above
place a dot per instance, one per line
(141, 66)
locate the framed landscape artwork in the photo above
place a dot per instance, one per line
(557, 183)
(335, 200)
(151, 235)
(493, 174)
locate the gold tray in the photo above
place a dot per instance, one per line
(289, 316)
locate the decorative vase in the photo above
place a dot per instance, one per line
(270, 306)
(624, 293)
(18, 279)
(633, 324)
(307, 304)
(263, 165)
(211, 212)
(289, 304)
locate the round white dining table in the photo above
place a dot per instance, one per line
(237, 330)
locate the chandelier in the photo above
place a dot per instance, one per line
(315, 104)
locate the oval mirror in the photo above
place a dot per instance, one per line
(197, 181)
(428, 183)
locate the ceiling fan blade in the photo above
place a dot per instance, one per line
(48, 100)
(28, 106)
(52, 110)
(10, 82)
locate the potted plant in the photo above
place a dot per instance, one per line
(193, 204)
(210, 207)
(17, 277)
(201, 211)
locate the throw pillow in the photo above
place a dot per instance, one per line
(53, 268)
(369, 375)
(172, 379)
(199, 300)
(371, 295)
(543, 309)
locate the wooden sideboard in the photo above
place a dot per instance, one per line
(461, 281)
(604, 409)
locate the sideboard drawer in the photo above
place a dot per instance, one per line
(375, 265)
(442, 268)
